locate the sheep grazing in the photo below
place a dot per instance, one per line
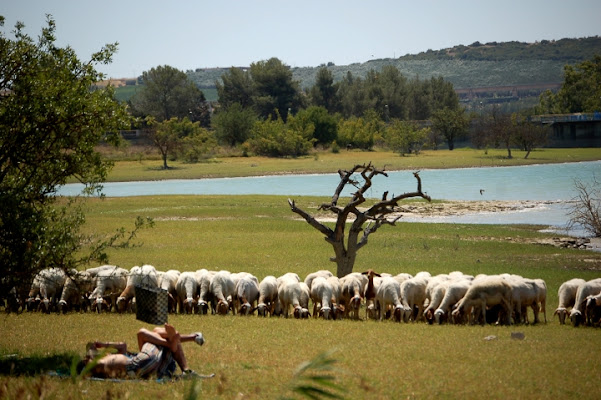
(524, 294)
(76, 287)
(33, 298)
(324, 273)
(305, 296)
(145, 275)
(268, 294)
(247, 293)
(223, 288)
(589, 288)
(541, 297)
(567, 297)
(593, 309)
(187, 293)
(413, 295)
(51, 282)
(206, 297)
(287, 277)
(454, 293)
(389, 295)
(353, 287)
(337, 307)
(110, 282)
(322, 292)
(370, 292)
(167, 282)
(436, 294)
(486, 292)
(289, 294)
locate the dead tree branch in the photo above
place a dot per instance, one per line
(375, 216)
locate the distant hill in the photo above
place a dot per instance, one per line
(477, 65)
(488, 65)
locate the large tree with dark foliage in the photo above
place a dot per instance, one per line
(167, 93)
(51, 119)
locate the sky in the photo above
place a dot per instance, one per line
(303, 33)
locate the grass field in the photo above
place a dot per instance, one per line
(256, 358)
(146, 166)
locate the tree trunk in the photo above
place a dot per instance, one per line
(451, 144)
(509, 156)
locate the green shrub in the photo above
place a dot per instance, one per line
(274, 138)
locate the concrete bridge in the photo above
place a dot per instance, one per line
(572, 130)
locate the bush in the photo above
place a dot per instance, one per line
(274, 138)
(356, 132)
(405, 137)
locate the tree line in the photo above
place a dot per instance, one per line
(262, 110)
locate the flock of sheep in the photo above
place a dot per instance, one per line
(453, 298)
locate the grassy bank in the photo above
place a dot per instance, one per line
(148, 167)
(255, 358)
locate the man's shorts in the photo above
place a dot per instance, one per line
(151, 359)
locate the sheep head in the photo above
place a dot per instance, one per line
(245, 309)
(204, 307)
(63, 307)
(121, 304)
(262, 310)
(222, 307)
(325, 312)
(397, 314)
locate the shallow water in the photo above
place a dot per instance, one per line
(544, 183)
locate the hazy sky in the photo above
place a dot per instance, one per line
(221, 33)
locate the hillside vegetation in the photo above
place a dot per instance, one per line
(476, 65)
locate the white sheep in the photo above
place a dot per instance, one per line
(204, 278)
(541, 295)
(304, 300)
(402, 277)
(589, 288)
(567, 297)
(146, 275)
(109, 283)
(223, 289)
(337, 307)
(247, 293)
(187, 292)
(389, 295)
(353, 287)
(168, 282)
(289, 294)
(324, 273)
(76, 287)
(322, 293)
(268, 294)
(593, 309)
(51, 282)
(288, 277)
(436, 293)
(486, 292)
(524, 293)
(413, 295)
(454, 293)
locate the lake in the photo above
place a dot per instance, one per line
(552, 185)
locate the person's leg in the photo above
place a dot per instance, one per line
(180, 358)
(146, 336)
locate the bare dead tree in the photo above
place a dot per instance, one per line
(366, 222)
(585, 210)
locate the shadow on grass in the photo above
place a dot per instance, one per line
(15, 365)
(163, 169)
